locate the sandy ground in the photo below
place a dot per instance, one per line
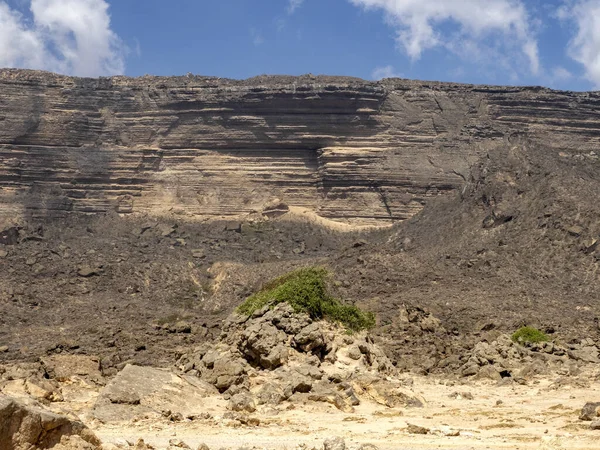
(539, 415)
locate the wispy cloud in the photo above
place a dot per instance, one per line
(420, 26)
(585, 45)
(67, 36)
(385, 72)
(293, 5)
(257, 38)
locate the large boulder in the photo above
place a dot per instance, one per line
(29, 426)
(138, 391)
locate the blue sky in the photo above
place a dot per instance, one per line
(552, 43)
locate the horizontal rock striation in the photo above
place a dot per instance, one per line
(348, 149)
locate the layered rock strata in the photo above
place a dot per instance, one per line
(348, 149)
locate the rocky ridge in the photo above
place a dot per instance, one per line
(345, 148)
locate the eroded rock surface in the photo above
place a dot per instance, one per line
(25, 427)
(279, 355)
(343, 147)
(138, 391)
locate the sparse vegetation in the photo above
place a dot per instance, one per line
(529, 335)
(306, 291)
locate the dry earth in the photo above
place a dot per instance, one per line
(538, 415)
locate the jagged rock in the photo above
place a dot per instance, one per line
(309, 371)
(416, 429)
(178, 443)
(590, 411)
(386, 393)
(336, 443)
(270, 394)
(242, 402)
(23, 427)
(225, 373)
(310, 339)
(585, 354)
(65, 367)
(43, 389)
(299, 375)
(294, 382)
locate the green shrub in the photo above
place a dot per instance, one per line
(529, 335)
(306, 291)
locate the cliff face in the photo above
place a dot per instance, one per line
(369, 152)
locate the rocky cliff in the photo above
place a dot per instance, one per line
(348, 149)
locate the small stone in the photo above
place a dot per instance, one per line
(198, 253)
(3, 253)
(203, 446)
(336, 443)
(461, 395)
(178, 443)
(595, 425)
(4, 349)
(354, 353)
(416, 429)
(86, 272)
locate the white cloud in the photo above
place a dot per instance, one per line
(67, 36)
(420, 25)
(585, 46)
(385, 72)
(559, 73)
(293, 5)
(257, 38)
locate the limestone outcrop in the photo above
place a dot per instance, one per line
(25, 427)
(345, 148)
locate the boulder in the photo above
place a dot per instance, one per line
(388, 393)
(29, 426)
(263, 344)
(270, 394)
(310, 339)
(65, 367)
(137, 391)
(242, 402)
(590, 411)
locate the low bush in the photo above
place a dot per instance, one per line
(529, 335)
(306, 291)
